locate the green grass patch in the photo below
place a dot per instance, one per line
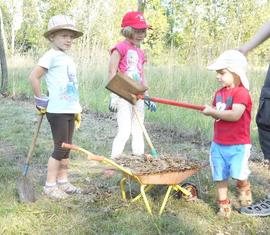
(192, 84)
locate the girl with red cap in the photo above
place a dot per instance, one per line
(128, 58)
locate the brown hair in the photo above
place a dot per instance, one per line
(127, 32)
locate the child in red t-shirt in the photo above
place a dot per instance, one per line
(231, 109)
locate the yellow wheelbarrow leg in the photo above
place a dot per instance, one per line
(123, 188)
(165, 199)
(145, 199)
(183, 190)
(147, 188)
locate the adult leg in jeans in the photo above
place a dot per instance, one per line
(262, 208)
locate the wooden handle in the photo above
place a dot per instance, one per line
(70, 146)
(90, 155)
(148, 140)
(34, 140)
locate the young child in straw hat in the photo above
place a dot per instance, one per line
(62, 106)
(230, 149)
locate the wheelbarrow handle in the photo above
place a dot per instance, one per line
(174, 103)
(90, 155)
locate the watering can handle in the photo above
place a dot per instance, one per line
(174, 103)
(90, 155)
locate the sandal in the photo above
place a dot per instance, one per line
(69, 188)
(261, 208)
(54, 192)
(225, 208)
(244, 194)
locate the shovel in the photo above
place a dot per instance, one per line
(131, 91)
(24, 186)
(126, 87)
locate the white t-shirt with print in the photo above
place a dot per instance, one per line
(61, 82)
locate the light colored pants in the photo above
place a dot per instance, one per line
(128, 124)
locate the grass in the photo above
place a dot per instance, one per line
(102, 211)
(192, 84)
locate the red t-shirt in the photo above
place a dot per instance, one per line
(238, 132)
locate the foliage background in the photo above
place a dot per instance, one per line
(186, 36)
(190, 31)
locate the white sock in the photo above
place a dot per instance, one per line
(50, 184)
(62, 181)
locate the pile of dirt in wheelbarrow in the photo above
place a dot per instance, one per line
(146, 164)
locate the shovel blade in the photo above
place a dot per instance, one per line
(26, 190)
(126, 87)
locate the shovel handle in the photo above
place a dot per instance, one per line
(174, 103)
(34, 140)
(90, 155)
(148, 140)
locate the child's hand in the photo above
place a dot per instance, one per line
(113, 104)
(150, 104)
(41, 104)
(208, 110)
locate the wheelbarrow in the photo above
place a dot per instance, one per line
(148, 181)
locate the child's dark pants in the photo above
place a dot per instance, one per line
(62, 126)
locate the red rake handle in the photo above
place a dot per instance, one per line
(174, 103)
(91, 156)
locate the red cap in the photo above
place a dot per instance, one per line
(135, 20)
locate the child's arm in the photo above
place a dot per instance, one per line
(232, 115)
(113, 68)
(113, 64)
(259, 38)
(35, 77)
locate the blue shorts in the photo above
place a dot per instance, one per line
(229, 161)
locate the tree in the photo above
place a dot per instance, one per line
(4, 71)
(141, 5)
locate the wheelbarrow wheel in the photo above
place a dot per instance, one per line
(192, 189)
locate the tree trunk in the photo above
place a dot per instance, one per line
(141, 5)
(4, 71)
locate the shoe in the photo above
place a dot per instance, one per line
(69, 188)
(261, 208)
(244, 195)
(225, 209)
(54, 192)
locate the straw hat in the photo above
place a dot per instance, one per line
(60, 22)
(235, 62)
